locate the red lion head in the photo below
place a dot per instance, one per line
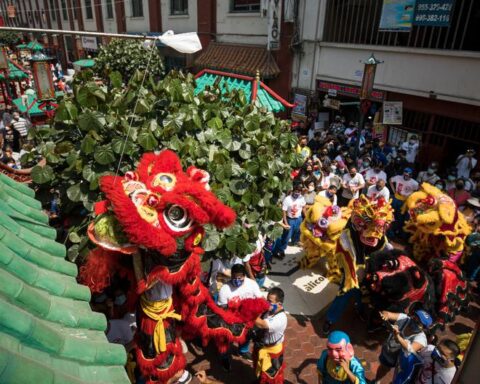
(162, 208)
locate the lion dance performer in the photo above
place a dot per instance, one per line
(363, 235)
(151, 225)
(319, 232)
(436, 225)
(338, 364)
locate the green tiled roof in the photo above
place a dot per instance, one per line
(48, 333)
(264, 99)
(34, 110)
(14, 73)
(85, 63)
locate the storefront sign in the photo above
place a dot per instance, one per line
(433, 13)
(348, 90)
(392, 112)
(300, 108)
(397, 15)
(332, 92)
(331, 103)
(274, 16)
(89, 43)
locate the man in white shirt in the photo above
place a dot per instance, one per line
(430, 175)
(352, 183)
(268, 348)
(292, 218)
(411, 147)
(438, 363)
(238, 288)
(378, 191)
(330, 194)
(465, 163)
(374, 174)
(402, 186)
(20, 124)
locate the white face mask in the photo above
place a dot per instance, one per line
(439, 186)
(311, 188)
(120, 300)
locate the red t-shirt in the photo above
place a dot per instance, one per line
(460, 197)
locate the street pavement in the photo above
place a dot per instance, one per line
(304, 340)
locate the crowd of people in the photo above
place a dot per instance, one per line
(14, 140)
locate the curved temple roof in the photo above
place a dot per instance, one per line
(48, 333)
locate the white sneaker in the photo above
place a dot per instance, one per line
(185, 379)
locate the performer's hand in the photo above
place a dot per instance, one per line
(384, 315)
(345, 365)
(201, 376)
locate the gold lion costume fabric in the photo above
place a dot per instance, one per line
(436, 225)
(320, 230)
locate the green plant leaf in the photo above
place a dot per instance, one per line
(116, 79)
(75, 194)
(88, 145)
(104, 155)
(89, 121)
(42, 175)
(238, 187)
(73, 252)
(147, 141)
(74, 238)
(211, 241)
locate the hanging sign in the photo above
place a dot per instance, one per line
(300, 108)
(433, 13)
(392, 112)
(11, 11)
(397, 15)
(89, 43)
(367, 81)
(274, 19)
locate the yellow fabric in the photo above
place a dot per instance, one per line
(400, 197)
(130, 368)
(264, 360)
(159, 311)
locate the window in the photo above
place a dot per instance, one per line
(109, 7)
(245, 6)
(53, 15)
(137, 8)
(179, 7)
(64, 10)
(88, 9)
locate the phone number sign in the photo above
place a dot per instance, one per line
(433, 13)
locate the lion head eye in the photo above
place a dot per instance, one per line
(177, 218)
(164, 180)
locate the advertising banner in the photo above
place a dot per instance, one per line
(397, 15)
(300, 108)
(274, 18)
(433, 13)
(392, 112)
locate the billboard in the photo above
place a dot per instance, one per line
(397, 15)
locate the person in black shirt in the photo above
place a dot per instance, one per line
(10, 137)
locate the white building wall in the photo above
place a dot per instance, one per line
(89, 24)
(233, 27)
(179, 23)
(450, 75)
(137, 24)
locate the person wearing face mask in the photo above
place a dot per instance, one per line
(402, 186)
(238, 288)
(292, 207)
(465, 163)
(438, 363)
(379, 190)
(374, 174)
(309, 194)
(411, 149)
(407, 336)
(430, 175)
(268, 340)
(302, 147)
(330, 194)
(352, 183)
(365, 165)
(459, 194)
(440, 184)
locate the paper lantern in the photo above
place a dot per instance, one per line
(42, 76)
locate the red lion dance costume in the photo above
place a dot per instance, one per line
(151, 227)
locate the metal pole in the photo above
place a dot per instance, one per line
(81, 33)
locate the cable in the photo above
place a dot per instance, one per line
(134, 110)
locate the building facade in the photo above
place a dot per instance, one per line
(242, 24)
(433, 70)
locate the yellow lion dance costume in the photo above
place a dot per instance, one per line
(436, 225)
(320, 231)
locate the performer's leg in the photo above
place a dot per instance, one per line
(295, 226)
(336, 309)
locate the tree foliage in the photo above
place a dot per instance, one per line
(127, 56)
(9, 38)
(247, 151)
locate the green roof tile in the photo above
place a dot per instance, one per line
(48, 333)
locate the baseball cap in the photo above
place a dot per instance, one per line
(424, 317)
(408, 170)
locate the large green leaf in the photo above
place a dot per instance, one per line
(211, 241)
(116, 79)
(88, 144)
(89, 121)
(42, 175)
(238, 187)
(75, 194)
(104, 155)
(147, 141)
